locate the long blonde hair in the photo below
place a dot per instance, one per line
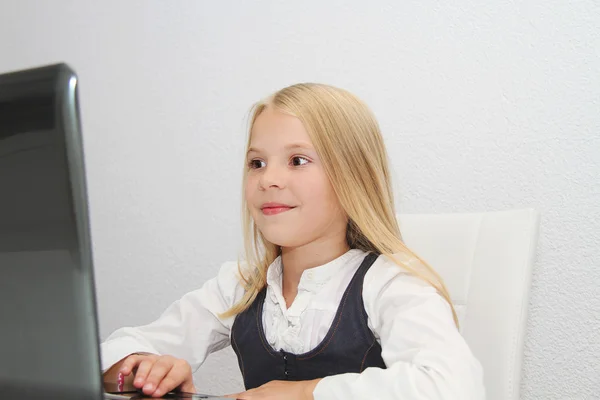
(348, 141)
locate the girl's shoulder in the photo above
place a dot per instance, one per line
(232, 270)
(398, 271)
(394, 288)
(229, 282)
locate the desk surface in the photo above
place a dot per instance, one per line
(23, 392)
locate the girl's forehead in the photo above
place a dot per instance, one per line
(275, 127)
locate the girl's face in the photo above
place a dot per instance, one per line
(287, 191)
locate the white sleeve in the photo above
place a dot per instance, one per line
(425, 355)
(188, 329)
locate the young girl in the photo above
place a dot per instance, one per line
(330, 303)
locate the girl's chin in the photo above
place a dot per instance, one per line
(280, 239)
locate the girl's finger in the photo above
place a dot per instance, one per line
(170, 382)
(160, 369)
(129, 364)
(142, 372)
(179, 376)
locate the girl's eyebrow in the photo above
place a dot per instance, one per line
(293, 146)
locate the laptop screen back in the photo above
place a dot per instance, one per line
(48, 328)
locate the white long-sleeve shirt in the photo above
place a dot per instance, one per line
(425, 355)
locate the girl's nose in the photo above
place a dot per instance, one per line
(272, 176)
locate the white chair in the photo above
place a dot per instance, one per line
(486, 262)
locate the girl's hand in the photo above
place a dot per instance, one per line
(280, 390)
(157, 375)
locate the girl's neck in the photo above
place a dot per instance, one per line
(296, 260)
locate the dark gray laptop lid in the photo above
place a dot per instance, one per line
(48, 329)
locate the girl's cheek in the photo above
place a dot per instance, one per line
(249, 187)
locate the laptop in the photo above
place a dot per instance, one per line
(49, 342)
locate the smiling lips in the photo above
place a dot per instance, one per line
(274, 208)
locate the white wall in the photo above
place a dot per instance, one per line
(485, 105)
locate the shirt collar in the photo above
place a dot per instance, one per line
(314, 278)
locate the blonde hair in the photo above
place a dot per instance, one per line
(348, 141)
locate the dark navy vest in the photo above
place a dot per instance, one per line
(348, 346)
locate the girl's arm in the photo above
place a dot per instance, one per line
(189, 329)
(425, 355)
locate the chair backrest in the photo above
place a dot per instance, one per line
(486, 262)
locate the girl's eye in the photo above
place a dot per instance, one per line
(298, 161)
(255, 164)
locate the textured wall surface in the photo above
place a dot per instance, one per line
(484, 106)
